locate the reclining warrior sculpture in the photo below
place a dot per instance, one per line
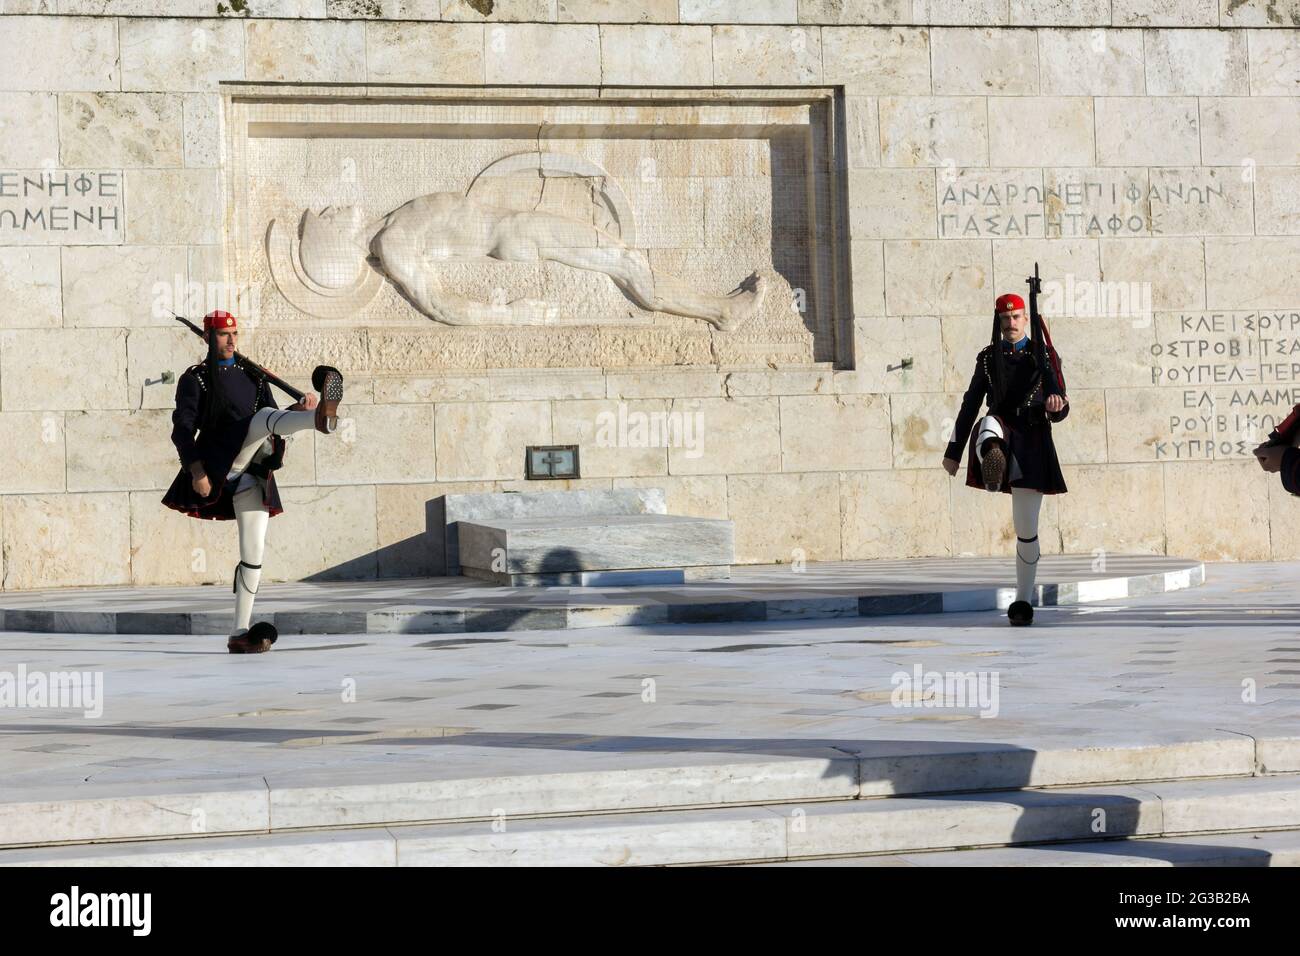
(339, 243)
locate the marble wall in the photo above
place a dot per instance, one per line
(1146, 153)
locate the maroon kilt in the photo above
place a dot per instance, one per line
(1032, 448)
(182, 497)
(218, 444)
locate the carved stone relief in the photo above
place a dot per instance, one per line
(682, 242)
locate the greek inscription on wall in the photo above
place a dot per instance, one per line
(1237, 375)
(975, 203)
(1066, 203)
(60, 206)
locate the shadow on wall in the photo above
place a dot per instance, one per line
(793, 245)
(809, 240)
(421, 555)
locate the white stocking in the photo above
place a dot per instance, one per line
(1025, 505)
(268, 421)
(252, 518)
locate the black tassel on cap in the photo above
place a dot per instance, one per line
(218, 402)
(998, 374)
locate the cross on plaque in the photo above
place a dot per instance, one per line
(552, 461)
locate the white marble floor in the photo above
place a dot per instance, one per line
(1167, 668)
(757, 582)
(461, 605)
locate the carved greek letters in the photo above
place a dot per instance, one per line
(51, 207)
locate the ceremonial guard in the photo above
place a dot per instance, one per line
(1011, 449)
(228, 432)
(1279, 455)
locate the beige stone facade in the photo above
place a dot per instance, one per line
(886, 166)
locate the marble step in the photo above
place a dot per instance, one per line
(1243, 848)
(893, 826)
(331, 798)
(531, 550)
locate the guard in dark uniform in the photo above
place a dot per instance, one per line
(1011, 450)
(1279, 454)
(228, 432)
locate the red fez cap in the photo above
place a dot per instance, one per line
(224, 321)
(1008, 303)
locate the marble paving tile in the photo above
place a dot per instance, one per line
(1088, 687)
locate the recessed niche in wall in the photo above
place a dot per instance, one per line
(448, 228)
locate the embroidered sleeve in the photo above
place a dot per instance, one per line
(185, 419)
(1291, 470)
(265, 394)
(970, 406)
(1054, 361)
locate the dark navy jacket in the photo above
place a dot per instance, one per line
(217, 444)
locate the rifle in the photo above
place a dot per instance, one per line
(1041, 340)
(275, 380)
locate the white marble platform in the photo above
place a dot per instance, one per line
(352, 730)
(816, 591)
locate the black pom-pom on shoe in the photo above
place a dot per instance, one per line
(256, 640)
(324, 375)
(1020, 613)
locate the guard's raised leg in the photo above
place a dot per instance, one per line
(991, 449)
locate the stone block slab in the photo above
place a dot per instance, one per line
(30, 288)
(481, 507)
(59, 53)
(877, 826)
(594, 543)
(640, 840)
(180, 55)
(90, 373)
(127, 811)
(302, 800)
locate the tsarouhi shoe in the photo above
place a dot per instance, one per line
(1020, 613)
(329, 382)
(256, 640)
(993, 466)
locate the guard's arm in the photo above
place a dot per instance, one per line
(1291, 470)
(970, 406)
(185, 420)
(1058, 382)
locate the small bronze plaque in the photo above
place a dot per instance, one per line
(551, 461)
